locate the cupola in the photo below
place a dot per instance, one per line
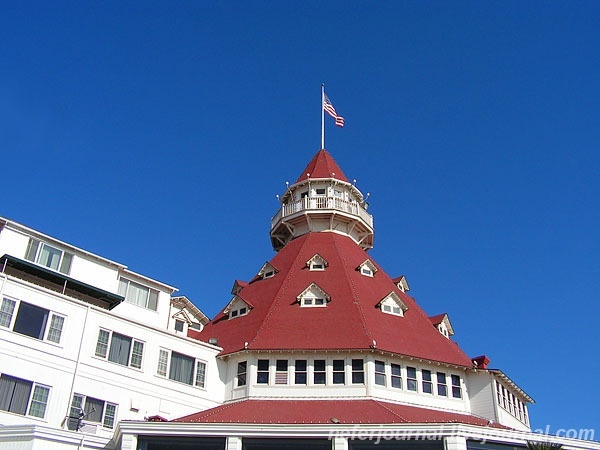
(322, 200)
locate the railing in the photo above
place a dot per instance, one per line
(319, 203)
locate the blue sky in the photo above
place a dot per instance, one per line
(157, 134)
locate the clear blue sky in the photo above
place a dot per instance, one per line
(157, 134)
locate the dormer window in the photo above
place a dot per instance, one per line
(267, 271)
(237, 308)
(313, 296)
(443, 325)
(367, 268)
(393, 304)
(317, 262)
(48, 256)
(401, 283)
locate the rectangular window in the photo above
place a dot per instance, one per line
(456, 388)
(137, 294)
(200, 377)
(23, 397)
(262, 374)
(163, 363)
(442, 387)
(119, 349)
(241, 373)
(48, 256)
(358, 371)
(426, 384)
(281, 371)
(411, 379)
(31, 320)
(181, 368)
(339, 371)
(300, 373)
(92, 410)
(319, 374)
(396, 378)
(380, 373)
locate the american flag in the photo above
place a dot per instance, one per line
(328, 107)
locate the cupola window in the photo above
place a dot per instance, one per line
(313, 296)
(267, 271)
(317, 262)
(367, 268)
(393, 304)
(237, 307)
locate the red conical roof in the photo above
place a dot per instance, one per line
(322, 166)
(350, 321)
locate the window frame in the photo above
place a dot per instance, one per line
(107, 347)
(412, 383)
(395, 378)
(149, 304)
(9, 319)
(281, 371)
(301, 373)
(426, 381)
(358, 373)
(241, 379)
(456, 386)
(34, 254)
(380, 378)
(262, 371)
(338, 375)
(34, 387)
(441, 384)
(107, 420)
(163, 368)
(321, 372)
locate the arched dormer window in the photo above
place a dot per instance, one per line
(367, 268)
(317, 262)
(392, 304)
(267, 271)
(237, 307)
(313, 296)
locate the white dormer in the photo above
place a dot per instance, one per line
(317, 262)
(313, 296)
(443, 325)
(392, 304)
(186, 316)
(237, 307)
(238, 286)
(367, 268)
(267, 271)
(401, 283)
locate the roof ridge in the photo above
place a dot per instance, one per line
(281, 288)
(394, 413)
(355, 297)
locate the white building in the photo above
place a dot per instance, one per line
(320, 349)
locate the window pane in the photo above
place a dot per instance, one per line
(49, 257)
(153, 300)
(31, 320)
(338, 371)
(241, 373)
(120, 347)
(109, 415)
(163, 358)
(102, 344)
(137, 294)
(6, 312)
(123, 283)
(65, 265)
(56, 326)
(319, 376)
(93, 410)
(136, 354)
(39, 401)
(14, 394)
(262, 376)
(200, 374)
(358, 371)
(75, 413)
(32, 249)
(182, 368)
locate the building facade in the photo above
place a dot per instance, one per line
(320, 349)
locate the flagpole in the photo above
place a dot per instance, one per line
(322, 115)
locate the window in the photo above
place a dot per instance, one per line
(319, 375)
(320, 191)
(23, 397)
(380, 373)
(366, 271)
(442, 387)
(411, 379)
(391, 309)
(300, 373)
(339, 371)
(456, 388)
(241, 373)
(48, 256)
(317, 262)
(89, 409)
(358, 371)
(367, 268)
(426, 382)
(31, 320)
(281, 371)
(396, 378)
(313, 296)
(241, 311)
(262, 376)
(182, 368)
(119, 349)
(179, 325)
(138, 295)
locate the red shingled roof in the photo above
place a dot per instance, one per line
(322, 166)
(350, 321)
(323, 411)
